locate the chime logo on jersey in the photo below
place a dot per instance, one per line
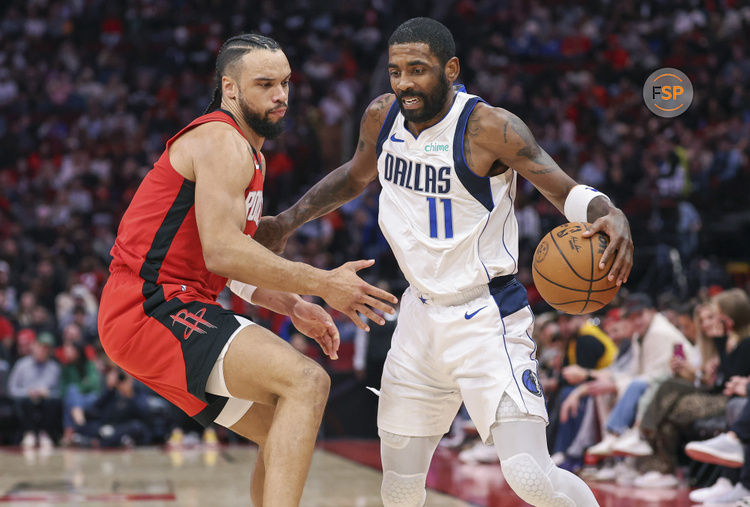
(417, 176)
(254, 205)
(191, 321)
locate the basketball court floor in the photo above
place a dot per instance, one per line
(343, 474)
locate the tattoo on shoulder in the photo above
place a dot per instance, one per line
(473, 128)
(360, 145)
(505, 131)
(378, 107)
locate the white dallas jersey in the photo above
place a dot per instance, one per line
(449, 228)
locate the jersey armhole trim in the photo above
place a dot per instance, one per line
(386, 127)
(478, 186)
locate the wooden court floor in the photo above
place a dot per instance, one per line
(343, 474)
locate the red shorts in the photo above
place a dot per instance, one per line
(168, 337)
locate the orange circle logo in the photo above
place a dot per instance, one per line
(668, 92)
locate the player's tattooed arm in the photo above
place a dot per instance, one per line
(497, 140)
(337, 187)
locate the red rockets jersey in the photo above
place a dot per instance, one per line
(158, 235)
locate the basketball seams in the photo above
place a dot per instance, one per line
(591, 275)
(546, 279)
(568, 290)
(552, 237)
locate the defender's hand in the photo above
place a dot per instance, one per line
(616, 226)
(313, 321)
(349, 294)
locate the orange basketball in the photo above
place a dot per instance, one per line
(566, 269)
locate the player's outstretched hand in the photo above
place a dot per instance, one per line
(313, 321)
(349, 294)
(615, 225)
(272, 234)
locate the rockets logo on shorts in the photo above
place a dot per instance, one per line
(191, 321)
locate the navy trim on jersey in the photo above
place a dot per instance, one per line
(510, 210)
(478, 186)
(510, 297)
(386, 127)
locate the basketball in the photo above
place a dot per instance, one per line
(566, 269)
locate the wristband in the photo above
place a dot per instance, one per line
(577, 203)
(243, 290)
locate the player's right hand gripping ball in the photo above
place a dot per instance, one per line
(566, 269)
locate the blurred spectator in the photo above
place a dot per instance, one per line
(118, 417)
(676, 410)
(89, 91)
(586, 348)
(80, 384)
(34, 385)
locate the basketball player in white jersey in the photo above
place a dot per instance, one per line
(448, 164)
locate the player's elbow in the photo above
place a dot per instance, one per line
(216, 261)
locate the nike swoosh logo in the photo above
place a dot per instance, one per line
(396, 139)
(468, 315)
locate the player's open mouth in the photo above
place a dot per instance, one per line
(278, 112)
(411, 102)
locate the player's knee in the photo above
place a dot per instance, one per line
(314, 384)
(399, 490)
(533, 484)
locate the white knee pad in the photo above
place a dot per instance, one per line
(527, 479)
(403, 490)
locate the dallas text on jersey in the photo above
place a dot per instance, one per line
(415, 176)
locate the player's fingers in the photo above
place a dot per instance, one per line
(369, 313)
(384, 295)
(357, 321)
(362, 264)
(335, 342)
(379, 305)
(620, 266)
(591, 229)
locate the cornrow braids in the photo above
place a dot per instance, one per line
(231, 51)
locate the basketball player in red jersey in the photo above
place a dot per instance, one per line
(186, 234)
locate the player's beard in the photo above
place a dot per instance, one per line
(432, 103)
(261, 123)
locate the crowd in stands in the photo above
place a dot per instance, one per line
(90, 91)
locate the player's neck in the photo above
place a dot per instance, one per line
(255, 140)
(417, 128)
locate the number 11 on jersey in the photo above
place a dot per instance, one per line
(447, 211)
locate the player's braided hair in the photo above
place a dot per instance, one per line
(427, 30)
(230, 52)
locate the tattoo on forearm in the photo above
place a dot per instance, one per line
(505, 131)
(327, 195)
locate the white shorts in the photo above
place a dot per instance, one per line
(235, 408)
(472, 352)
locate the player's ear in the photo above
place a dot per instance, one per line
(452, 69)
(228, 87)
